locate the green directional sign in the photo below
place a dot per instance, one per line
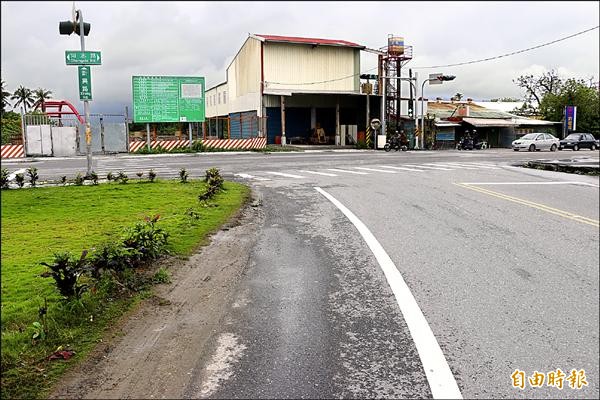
(73, 57)
(85, 82)
(168, 99)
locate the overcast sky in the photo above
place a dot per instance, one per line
(201, 38)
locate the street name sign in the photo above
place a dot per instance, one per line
(85, 82)
(168, 99)
(74, 57)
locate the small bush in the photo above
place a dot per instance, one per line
(214, 181)
(198, 146)
(79, 179)
(63, 179)
(66, 272)
(4, 178)
(20, 179)
(122, 178)
(151, 175)
(110, 257)
(94, 177)
(361, 144)
(110, 177)
(146, 240)
(33, 175)
(139, 174)
(161, 276)
(183, 175)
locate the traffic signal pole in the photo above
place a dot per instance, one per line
(86, 108)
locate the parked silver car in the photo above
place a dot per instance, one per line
(536, 141)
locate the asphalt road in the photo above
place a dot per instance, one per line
(501, 261)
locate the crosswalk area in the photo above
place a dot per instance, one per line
(417, 169)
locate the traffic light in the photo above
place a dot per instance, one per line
(68, 27)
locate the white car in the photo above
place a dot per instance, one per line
(536, 141)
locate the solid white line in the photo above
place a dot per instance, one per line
(451, 166)
(286, 175)
(474, 165)
(248, 176)
(423, 166)
(318, 173)
(14, 174)
(402, 168)
(349, 172)
(531, 183)
(375, 170)
(482, 165)
(440, 378)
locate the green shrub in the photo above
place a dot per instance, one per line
(79, 179)
(20, 179)
(121, 178)
(183, 175)
(33, 175)
(4, 178)
(146, 240)
(110, 177)
(161, 276)
(214, 182)
(198, 146)
(151, 175)
(63, 179)
(111, 257)
(66, 272)
(94, 177)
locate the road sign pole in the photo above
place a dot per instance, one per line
(190, 131)
(148, 136)
(86, 108)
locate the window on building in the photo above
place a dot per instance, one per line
(219, 98)
(224, 97)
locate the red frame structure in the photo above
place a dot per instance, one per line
(59, 104)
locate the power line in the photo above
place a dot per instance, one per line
(513, 53)
(448, 65)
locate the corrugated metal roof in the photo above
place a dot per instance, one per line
(313, 41)
(488, 122)
(446, 109)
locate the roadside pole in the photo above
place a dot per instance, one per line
(86, 108)
(190, 133)
(148, 136)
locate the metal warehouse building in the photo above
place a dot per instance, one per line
(281, 87)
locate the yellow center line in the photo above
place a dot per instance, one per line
(542, 207)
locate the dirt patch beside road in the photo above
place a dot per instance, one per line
(154, 351)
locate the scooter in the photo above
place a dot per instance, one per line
(395, 143)
(465, 144)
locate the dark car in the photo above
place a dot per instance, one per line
(578, 141)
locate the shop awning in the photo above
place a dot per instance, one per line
(489, 122)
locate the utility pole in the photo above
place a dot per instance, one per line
(86, 107)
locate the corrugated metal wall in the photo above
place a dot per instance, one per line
(243, 125)
(295, 63)
(243, 78)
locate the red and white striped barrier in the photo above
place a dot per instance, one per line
(13, 151)
(254, 143)
(165, 144)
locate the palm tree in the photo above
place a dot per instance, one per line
(5, 96)
(23, 96)
(40, 95)
(458, 96)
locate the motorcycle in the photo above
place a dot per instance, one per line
(395, 143)
(465, 144)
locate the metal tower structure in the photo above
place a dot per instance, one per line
(390, 65)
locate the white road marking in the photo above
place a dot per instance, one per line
(423, 166)
(349, 172)
(481, 164)
(376, 170)
(474, 165)
(448, 165)
(318, 173)
(531, 183)
(402, 168)
(14, 174)
(248, 176)
(440, 378)
(286, 175)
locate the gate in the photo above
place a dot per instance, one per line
(65, 136)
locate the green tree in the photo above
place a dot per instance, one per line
(40, 96)
(11, 126)
(23, 96)
(458, 96)
(574, 92)
(5, 97)
(536, 87)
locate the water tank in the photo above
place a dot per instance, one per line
(395, 45)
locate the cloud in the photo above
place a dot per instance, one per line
(201, 38)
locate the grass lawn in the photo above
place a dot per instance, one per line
(40, 221)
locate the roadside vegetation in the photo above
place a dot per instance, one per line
(75, 258)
